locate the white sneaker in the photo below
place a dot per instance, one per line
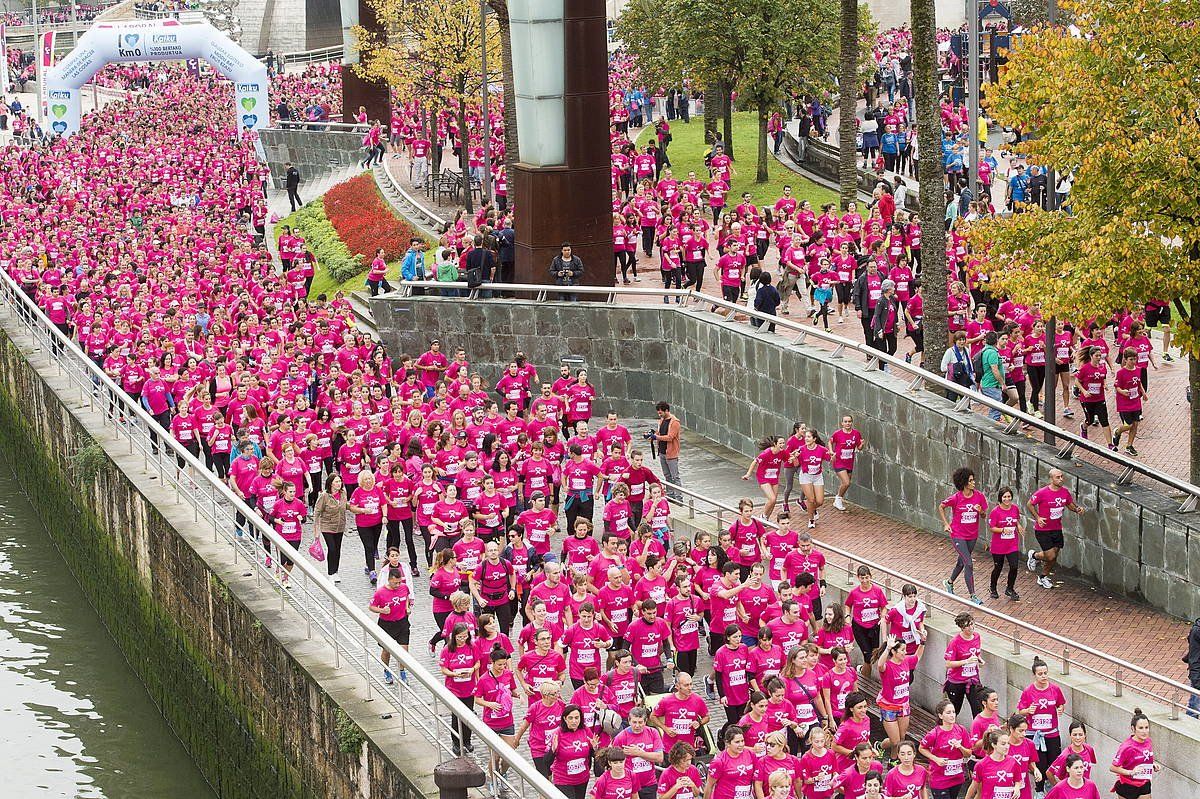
(336, 578)
(1044, 582)
(1031, 561)
(838, 503)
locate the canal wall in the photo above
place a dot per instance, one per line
(734, 385)
(258, 706)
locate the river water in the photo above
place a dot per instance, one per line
(74, 719)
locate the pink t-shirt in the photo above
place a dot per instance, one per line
(1063, 790)
(965, 515)
(1008, 539)
(960, 648)
(866, 607)
(672, 775)
(894, 681)
(1059, 767)
(733, 776)
(573, 749)
(733, 666)
(945, 745)
(642, 769)
(609, 787)
(1138, 756)
(543, 723)
(1051, 504)
(821, 769)
(998, 779)
(1048, 701)
(896, 784)
(677, 716)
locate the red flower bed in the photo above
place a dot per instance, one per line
(364, 222)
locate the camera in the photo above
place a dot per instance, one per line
(649, 435)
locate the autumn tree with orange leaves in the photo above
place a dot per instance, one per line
(431, 52)
(1119, 105)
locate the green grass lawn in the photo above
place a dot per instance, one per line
(687, 154)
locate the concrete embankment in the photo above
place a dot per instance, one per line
(257, 703)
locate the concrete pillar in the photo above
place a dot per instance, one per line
(454, 777)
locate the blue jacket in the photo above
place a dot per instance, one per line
(413, 266)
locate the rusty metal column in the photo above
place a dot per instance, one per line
(567, 200)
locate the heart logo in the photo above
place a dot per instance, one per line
(59, 110)
(131, 39)
(248, 103)
(59, 127)
(249, 120)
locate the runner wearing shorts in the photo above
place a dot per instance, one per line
(896, 669)
(1047, 505)
(844, 445)
(1130, 392)
(393, 603)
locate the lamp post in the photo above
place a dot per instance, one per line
(486, 138)
(973, 95)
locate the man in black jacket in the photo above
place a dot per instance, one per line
(869, 283)
(567, 270)
(1192, 659)
(292, 181)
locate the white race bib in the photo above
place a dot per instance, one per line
(953, 767)
(649, 651)
(742, 792)
(1143, 771)
(737, 677)
(870, 614)
(1041, 722)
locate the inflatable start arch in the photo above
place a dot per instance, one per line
(165, 40)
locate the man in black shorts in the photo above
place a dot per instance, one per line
(393, 603)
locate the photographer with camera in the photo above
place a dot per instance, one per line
(666, 440)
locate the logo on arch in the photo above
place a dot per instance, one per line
(59, 127)
(248, 103)
(128, 45)
(59, 110)
(249, 120)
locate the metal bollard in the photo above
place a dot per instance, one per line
(454, 777)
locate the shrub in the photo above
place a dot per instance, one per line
(365, 222)
(330, 251)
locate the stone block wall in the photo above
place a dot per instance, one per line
(734, 386)
(314, 153)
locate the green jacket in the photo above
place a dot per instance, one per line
(447, 272)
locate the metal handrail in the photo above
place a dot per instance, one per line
(1069, 648)
(314, 56)
(413, 201)
(919, 377)
(296, 123)
(345, 626)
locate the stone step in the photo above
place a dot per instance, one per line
(360, 304)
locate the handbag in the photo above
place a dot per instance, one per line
(316, 551)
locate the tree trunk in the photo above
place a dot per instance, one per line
(764, 111)
(511, 153)
(847, 105)
(930, 185)
(712, 109)
(727, 117)
(464, 149)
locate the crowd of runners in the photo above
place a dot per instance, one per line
(597, 648)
